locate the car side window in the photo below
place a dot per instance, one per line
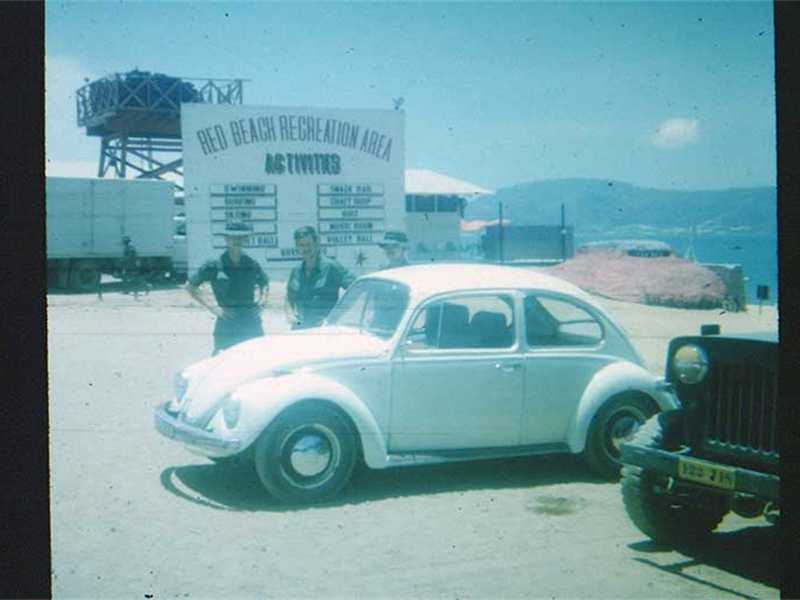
(556, 322)
(485, 321)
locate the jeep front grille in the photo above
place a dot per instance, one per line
(740, 411)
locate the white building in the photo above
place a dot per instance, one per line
(434, 208)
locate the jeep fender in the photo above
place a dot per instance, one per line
(263, 400)
(618, 378)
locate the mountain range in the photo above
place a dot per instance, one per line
(614, 208)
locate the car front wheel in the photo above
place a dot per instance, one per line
(615, 423)
(307, 454)
(237, 460)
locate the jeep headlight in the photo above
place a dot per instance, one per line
(690, 364)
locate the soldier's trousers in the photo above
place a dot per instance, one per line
(242, 326)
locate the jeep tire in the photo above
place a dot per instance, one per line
(652, 509)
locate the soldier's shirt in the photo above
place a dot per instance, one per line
(233, 285)
(314, 294)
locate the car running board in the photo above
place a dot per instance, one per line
(430, 457)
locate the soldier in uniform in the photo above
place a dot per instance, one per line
(313, 286)
(395, 244)
(130, 267)
(234, 277)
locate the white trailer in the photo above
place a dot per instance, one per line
(87, 219)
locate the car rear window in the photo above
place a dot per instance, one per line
(558, 322)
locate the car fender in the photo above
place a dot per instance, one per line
(617, 378)
(263, 400)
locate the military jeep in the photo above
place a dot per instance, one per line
(685, 469)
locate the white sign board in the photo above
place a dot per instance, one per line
(280, 168)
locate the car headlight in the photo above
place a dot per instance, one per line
(690, 363)
(180, 383)
(231, 408)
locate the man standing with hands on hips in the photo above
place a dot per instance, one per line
(233, 276)
(313, 286)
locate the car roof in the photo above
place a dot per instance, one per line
(434, 278)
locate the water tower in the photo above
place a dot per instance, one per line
(137, 116)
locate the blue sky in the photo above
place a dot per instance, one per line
(665, 95)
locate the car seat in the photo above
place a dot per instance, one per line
(489, 330)
(453, 331)
(541, 329)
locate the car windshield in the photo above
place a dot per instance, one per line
(373, 305)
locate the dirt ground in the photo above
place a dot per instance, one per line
(134, 515)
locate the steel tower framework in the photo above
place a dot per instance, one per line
(137, 117)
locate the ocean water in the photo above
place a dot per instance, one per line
(758, 256)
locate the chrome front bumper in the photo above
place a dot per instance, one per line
(169, 426)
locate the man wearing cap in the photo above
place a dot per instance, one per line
(395, 244)
(313, 286)
(233, 278)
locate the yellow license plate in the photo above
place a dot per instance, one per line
(707, 473)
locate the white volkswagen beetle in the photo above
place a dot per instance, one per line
(418, 365)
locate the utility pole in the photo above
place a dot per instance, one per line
(500, 231)
(563, 235)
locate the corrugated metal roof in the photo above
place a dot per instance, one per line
(467, 225)
(424, 181)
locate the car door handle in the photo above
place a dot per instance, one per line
(507, 367)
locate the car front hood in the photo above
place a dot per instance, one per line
(211, 380)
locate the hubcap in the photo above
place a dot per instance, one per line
(310, 454)
(622, 430)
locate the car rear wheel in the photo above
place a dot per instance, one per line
(615, 423)
(307, 454)
(658, 514)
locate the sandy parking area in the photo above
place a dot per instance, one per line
(134, 514)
